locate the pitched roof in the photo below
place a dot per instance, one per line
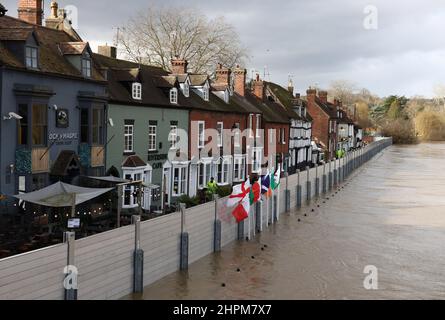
(154, 80)
(198, 79)
(51, 59)
(73, 48)
(133, 162)
(288, 101)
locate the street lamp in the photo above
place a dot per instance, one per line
(2, 10)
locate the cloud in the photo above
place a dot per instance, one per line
(316, 41)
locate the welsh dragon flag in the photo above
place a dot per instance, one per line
(255, 193)
(275, 183)
(240, 198)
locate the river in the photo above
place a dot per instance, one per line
(389, 214)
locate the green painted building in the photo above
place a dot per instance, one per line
(145, 142)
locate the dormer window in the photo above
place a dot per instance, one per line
(31, 57)
(137, 91)
(174, 96)
(206, 93)
(226, 96)
(186, 89)
(86, 67)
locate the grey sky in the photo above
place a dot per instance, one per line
(315, 41)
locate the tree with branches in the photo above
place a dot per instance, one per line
(160, 34)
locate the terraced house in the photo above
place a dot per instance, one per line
(147, 109)
(324, 125)
(220, 105)
(300, 133)
(53, 103)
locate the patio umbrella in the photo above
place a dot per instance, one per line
(61, 195)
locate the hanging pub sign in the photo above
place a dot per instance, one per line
(62, 118)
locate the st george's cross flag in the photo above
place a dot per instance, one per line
(240, 198)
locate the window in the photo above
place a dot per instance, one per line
(84, 125)
(39, 124)
(97, 126)
(283, 135)
(137, 91)
(205, 93)
(237, 136)
(38, 181)
(250, 125)
(174, 96)
(258, 125)
(256, 161)
(220, 128)
(201, 134)
(86, 67)
(152, 137)
(223, 166)
(186, 89)
(128, 138)
(205, 173)
(173, 136)
(23, 125)
(31, 57)
(131, 191)
(239, 168)
(179, 181)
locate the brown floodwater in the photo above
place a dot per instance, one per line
(390, 214)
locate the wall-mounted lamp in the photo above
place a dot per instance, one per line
(54, 107)
(111, 122)
(12, 115)
(11, 168)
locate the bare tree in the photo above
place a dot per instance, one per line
(159, 34)
(343, 90)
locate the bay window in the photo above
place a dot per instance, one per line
(239, 168)
(179, 180)
(204, 173)
(223, 167)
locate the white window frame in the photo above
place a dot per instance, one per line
(256, 160)
(220, 129)
(186, 89)
(205, 93)
(151, 135)
(250, 125)
(174, 96)
(236, 137)
(181, 180)
(239, 160)
(173, 137)
(128, 134)
(223, 175)
(145, 174)
(283, 135)
(136, 91)
(201, 134)
(32, 57)
(205, 163)
(258, 123)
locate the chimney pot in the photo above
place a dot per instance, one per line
(178, 66)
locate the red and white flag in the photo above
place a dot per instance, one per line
(240, 199)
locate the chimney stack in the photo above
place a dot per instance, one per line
(179, 66)
(323, 96)
(222, 75)
(30, 11)
(240, 81)
(107, 51)
(258, 87)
